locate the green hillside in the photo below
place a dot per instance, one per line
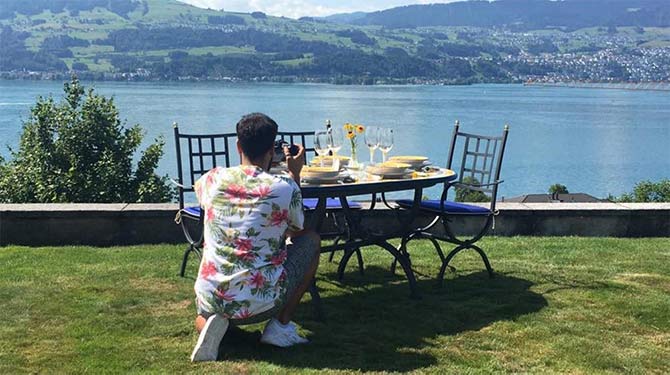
(166, 39)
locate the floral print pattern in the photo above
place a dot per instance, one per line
(247, 214)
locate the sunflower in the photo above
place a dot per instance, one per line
(360, 128)
(351, 135)
(348, 127)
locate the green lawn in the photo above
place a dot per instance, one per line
(575, 305)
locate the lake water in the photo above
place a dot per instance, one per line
(596, 141)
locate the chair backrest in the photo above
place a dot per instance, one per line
(197, 154)
(481, 160)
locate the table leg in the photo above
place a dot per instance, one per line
(357, 232)
(403, 259)
(354, 232)
(315, 225)
(319, 215)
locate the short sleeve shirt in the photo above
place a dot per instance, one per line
(247, 213)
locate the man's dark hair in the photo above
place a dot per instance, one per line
(256, 133)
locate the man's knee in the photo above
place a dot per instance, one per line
(314, 242)
(312, 238)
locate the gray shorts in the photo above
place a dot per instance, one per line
(300, 255)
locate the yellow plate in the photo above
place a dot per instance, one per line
(409, 159)
(395, 164)
(328, 160)
(312, 169)
(341, 157)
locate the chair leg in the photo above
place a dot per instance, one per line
(184, 260)
(484, 258)
(445, 263)
(343, 262)
(438, 248)
(457, 250)
(402, 248)
(332, 253)
(359, 257)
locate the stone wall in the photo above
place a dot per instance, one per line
(126, 224)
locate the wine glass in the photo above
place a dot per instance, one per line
(385, 141)
(336, 139)
(321, 147)
(372, 140)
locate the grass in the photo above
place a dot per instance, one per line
(557, 305)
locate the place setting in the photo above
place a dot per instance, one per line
(394, 167)
(329, 167)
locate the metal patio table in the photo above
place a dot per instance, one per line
(358, 235)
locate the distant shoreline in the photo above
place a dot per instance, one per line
(349, 81)
(633, 86)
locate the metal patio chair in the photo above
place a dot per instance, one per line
(481, 161)
(202, 153)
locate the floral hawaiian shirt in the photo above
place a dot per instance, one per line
(247, 214)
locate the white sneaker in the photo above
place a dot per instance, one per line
(207, 348)
(281, 335)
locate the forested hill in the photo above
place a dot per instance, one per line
(527, 14)
(170, 40)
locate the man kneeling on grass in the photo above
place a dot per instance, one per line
(257, 261)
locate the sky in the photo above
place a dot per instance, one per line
(300, 8)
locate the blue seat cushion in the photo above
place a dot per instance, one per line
(193, 211)
(331, 203)
(308, 203)
(449, 207)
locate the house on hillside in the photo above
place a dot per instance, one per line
(555, 198)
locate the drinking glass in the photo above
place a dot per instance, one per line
(336, 140)
(372, 141)
(321, 139)
(385, 141)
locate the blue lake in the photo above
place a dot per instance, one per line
(596, 141)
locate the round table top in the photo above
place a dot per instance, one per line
(418, 180)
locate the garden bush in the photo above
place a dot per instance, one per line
(79, 151)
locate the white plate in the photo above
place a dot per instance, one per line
(388, 171)
(413, 161)
(398, 174)
(328, 161)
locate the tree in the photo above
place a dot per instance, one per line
(463, 194)
(79, 151)
(558, 189)
(647, 191)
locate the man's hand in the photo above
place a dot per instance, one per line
(295, 163)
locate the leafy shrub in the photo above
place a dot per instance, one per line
(78, 151)
(558, 189)
(647, 191)
(463, 194)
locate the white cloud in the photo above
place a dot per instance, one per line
(300, 8)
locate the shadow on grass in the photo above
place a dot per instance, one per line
(372, 325)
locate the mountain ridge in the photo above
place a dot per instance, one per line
(525, 14)
(167, 39)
